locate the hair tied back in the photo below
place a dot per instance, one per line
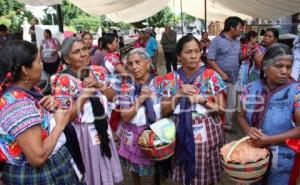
(8, 78)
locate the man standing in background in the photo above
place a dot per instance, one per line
(223, 57)
(168, 42)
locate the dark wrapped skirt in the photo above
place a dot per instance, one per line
(57, 170)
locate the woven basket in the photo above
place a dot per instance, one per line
(245, 173)
(158, 153)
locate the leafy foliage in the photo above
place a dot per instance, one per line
(12, 14)
(165, 16)
(86, 23)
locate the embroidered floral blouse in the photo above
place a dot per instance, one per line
(67, 88)
(18, 112)
(208, 84)
(126, 97)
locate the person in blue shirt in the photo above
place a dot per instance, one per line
(223, 57)
(151, 48)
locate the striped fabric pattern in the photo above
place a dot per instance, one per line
(20, 115)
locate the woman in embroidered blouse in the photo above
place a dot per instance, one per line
(49, 52)
(137, 100)
(270, 37)
(270, 111)
(196, 94)
(112, 59)
(31, 139)
(98, 150)
(96, 54)
(141, 41)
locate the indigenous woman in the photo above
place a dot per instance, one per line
(249, 50)
(270, 37)
(141, 41)
(270, 111)
(112, 59)
(205, 42)
(139, 105)
(98, 150)
(49, 52)
(96, 55)
(193, 96)
(32, 142)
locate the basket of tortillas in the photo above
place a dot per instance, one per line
(158, 143)
(244, 162)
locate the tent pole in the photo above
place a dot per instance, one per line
(59, 18)
(181, 16)
(174, 14)
(205, 15)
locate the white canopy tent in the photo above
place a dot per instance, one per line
(138, 12)
(135, 10)
(265, 9)
(215, 11)
(40, 2)
(101, 7)
(193, 7)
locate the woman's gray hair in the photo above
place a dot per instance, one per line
(67, 45)
(276, 52)
(141, 52)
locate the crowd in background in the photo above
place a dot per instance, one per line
(89, 122)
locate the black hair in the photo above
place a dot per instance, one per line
(251, 34)
(3, 28)
(115, 32)
(87, 33)
(14, 55)
(108, 38)
(100, 41)
(101, 125)
(183, 40)
(232, 22)
(274, 31)
(36, 20)
(18, 36)
(100, 120)
(244, 40)
(48, 32)
(262, 32)
(202, 33)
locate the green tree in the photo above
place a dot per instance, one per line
(165, 16)
(70, 12)
(76, 19)
(86, 23)
(11, 5)
(161, 18)
(12, 14)
(188, 18)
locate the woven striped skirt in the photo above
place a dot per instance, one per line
(57, 170)
(208, 164)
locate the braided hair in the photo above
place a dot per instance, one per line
(14, 55)
(100, 122)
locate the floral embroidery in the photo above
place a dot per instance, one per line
(209, 83)
(19, 111)
(64, 81)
